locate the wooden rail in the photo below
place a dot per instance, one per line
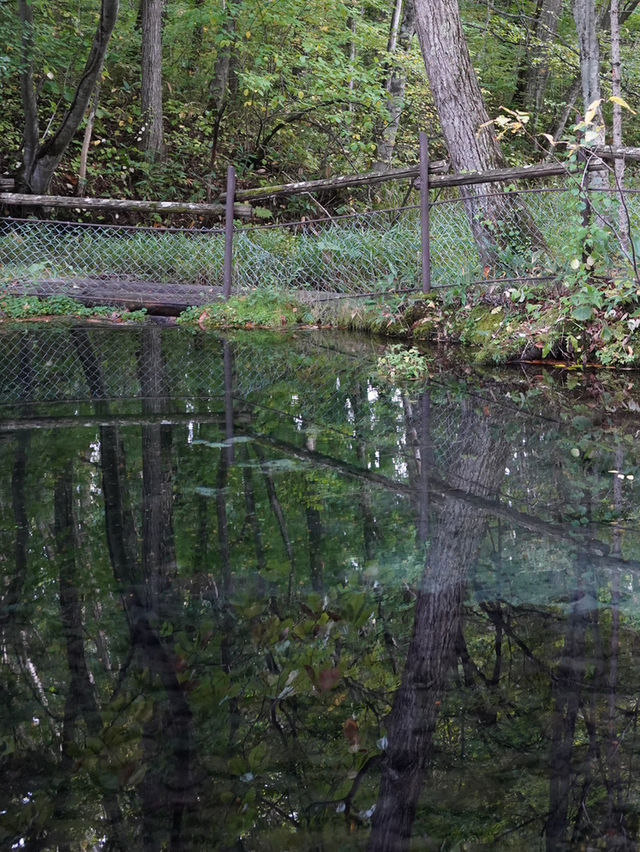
(241, 211)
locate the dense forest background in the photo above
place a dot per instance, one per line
(283, 89)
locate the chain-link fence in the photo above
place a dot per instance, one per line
(363, 253)
(305, 393)
(316, 394)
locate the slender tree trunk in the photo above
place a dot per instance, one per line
(86, 142)
(276, 507)
(584, 13)
(252, 514)
(152, 106)
(574, 88)
(82, 700)
(616, 91)
(12, 592)
(402, 32)
(570, 98)
(221, 83)
(497, 221)
(352, 23)
(168, 786)
(538, 59)
(196, 41)
(31, 130)
(315, 539)
(40, 161)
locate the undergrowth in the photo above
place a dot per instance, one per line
(28, 307)
(267, 308)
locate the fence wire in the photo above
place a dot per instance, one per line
(303, 394)
(363, 253)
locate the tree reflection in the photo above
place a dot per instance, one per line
(458, 534)
(315, 613)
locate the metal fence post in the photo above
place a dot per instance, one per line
(424, 213)
(228, 231)
(227, 355)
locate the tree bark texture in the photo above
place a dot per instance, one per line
(586, 19)
(497, 221)
(222, 75)
(412, 722)
(41, 160)
(152, 108)
(616, 91)
(575, 86)
(403, 28)
(10, 198)
(538, 59)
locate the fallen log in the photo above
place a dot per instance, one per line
(157, 298)
(437, 179)
(241, 211)
(341, 182)
(608, 152)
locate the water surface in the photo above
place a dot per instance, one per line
(255, 598)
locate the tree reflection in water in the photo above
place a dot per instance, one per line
(273, 604)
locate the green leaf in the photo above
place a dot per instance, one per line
(582, 313)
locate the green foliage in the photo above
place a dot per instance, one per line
(264, 308)
(27, 307)
(399, 364)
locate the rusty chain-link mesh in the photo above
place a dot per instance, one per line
(363, 253)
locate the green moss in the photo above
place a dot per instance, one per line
(481, 325)
(259, 308)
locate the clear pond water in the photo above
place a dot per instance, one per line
(256, 598)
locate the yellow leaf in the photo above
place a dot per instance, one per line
(621, 102)
(591, 111)
(549, 139)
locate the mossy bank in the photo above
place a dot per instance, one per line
(595, 324)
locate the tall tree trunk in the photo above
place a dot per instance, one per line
(219, 89)
(616, 138)
(12, 593)
(403, 27)
(538, 59)
(168, 786)
(412, 721)
(584, 14)
(573, 89)
(497, 221)
(151, 21)
(40, 161)
(86, 142)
